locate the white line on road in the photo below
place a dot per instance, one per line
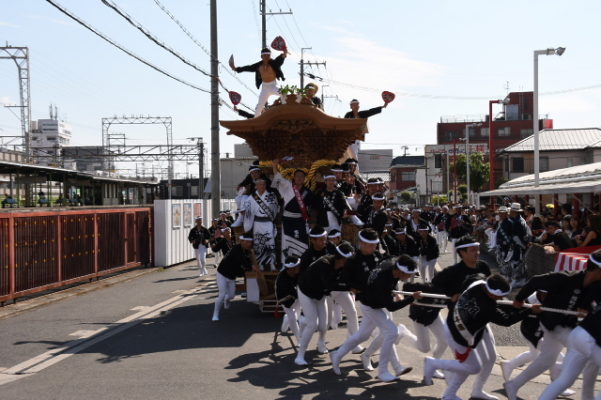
(51, 357)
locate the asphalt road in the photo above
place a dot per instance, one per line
(151, 338)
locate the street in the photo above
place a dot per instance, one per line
(151, 337)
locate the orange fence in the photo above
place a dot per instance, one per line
(45, 250)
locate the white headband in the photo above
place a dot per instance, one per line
(497, 292)
(254, 169)
(318, 236)
(370, 241)
(423, 229)
(293, 264)
(405, 269)
(400, 232)
(225, 229)
(464, 246)
(345, 255)
(377, 198)
(246, 238)
(335, 235)
(597, 263)
(329, 177)
(263, 53)
(336, 170)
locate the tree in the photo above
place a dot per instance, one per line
(479, 171)
(406, 197)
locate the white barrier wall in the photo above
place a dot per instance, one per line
(173, 220)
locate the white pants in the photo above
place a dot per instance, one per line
(267, 89)
(375, 318)
(316, 319)
(292, 320)
(454, 250)
(550, 348)
(480, 361)
(201, 258)
(442, 238)
(530, 355)
(347, 303)
(578, 359)
(227, 291)
(426, 268)
(421, 339)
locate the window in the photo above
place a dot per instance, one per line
(484, 132)
(408, 176)
(525, 132)
(437, 160)
(472, 131)
(517, 164)
(450, 135)
(51, 138)
(544, 164)
(374, 157)
(506, 131)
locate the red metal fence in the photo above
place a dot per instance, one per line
(46, 250)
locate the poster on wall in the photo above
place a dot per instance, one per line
(188, 215)
(197, 210)
(176, 216)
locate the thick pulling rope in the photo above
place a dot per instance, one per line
(500, 302)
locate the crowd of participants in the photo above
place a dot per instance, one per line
(342, 247)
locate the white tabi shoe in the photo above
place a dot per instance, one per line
(511, 391)
(366, 361)
(387, 377)
(438, 375)
(506, 370)
(215, 318)
(399, 370)
(300, 361)
(358, 350)
(335, 363)
(428, 371)
(321, 348)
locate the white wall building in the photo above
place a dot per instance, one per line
(48, 136)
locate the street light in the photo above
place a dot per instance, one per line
(467, 156)
(548, 52)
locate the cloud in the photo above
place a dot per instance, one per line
(6, 101)
(372, 67)
(8, 24)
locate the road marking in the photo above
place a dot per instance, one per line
(83, 334)
(51, 357)
(139, 308)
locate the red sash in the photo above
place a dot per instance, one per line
(301, 203)
(461, 357)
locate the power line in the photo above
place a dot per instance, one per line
(123, 49)
(204, 49)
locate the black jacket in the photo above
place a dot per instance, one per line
(235, 262)
(452, 280)
(376, 220)
(276, 64)
(222, 245)
(563, 291)
(378, 291)
(476, 309)
(365, 113)
(359, 267)
(442, 221)
(409, 247)
(319, 278)
(338, 202)
(311, 255)
(421, 314)
(459, 225)
(199, 236)
(592, 323)
(428, 248)
(561, 240)
(285, 285)
(411, 229)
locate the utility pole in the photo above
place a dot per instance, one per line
(215, 167)
(201, 160)
(264, 14)
(302, 64)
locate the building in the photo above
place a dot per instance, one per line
(84, 158)
(510, 126)
(48, 137)
(403, 173)
(375, 163)
(559, 148)
(234, 169)
(439, 175)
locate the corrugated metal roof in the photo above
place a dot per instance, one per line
(559, 139)
(413, 160)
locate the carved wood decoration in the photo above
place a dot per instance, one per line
(298, 130)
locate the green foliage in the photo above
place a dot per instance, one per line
(406, 197)
(438, 200)
(292, 89)
(479, 170)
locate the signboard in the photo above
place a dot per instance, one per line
(176, 216)
(188, 215)
(459, 148)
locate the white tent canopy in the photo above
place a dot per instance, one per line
(584, 178)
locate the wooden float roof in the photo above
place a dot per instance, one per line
(298, 130)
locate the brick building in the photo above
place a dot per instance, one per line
(404, 171)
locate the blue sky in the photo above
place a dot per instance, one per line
(456, 48)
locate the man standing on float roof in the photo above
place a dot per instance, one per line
(267, 72)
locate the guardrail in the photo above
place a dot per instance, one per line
(49, 249)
